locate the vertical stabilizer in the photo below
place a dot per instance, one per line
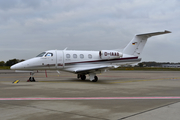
(136, 45)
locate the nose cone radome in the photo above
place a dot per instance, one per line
(17, 66)
(13, 67)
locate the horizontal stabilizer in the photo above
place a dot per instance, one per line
(153, 34)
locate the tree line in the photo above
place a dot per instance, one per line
(10, 62)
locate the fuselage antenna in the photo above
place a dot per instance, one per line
(66, 48)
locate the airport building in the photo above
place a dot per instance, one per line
(171, 65)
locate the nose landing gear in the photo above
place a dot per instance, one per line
(31, 79)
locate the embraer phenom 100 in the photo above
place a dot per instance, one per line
(86, 62)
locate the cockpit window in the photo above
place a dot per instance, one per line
(49, 55)
(41, 54)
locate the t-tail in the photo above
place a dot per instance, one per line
(137, 44)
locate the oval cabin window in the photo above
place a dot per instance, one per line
(89, 56)
(67, 55)
(74, 56)
(81, 56)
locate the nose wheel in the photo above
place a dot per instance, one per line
(31, 79)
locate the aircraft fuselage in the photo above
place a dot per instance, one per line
(67, 59)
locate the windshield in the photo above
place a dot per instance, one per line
(41, 54)
(49, 55)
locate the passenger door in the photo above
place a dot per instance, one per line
(60, 59)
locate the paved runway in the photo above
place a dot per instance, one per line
(123, 95)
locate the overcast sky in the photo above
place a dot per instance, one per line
(28, 27)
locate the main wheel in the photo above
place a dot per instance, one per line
(78, 76)
(95, 79)
(83, 77)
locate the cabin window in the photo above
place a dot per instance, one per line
(68, 56)
(89, 56)
(49, 55)
(74, 56)
(81, 56)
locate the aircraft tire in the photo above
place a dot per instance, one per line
(83, 77)
(78, 76)
(31, 79)
(95, 79)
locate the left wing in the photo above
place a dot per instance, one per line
(90, 69)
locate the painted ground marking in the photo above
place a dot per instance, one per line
(94, 98)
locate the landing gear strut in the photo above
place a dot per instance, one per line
(31, 79)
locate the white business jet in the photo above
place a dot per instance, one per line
(85, 63)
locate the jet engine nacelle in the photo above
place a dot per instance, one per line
(109, 54)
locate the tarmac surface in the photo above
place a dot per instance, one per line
(118, 95)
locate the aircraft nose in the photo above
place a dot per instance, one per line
(12, 67)
(17, 66)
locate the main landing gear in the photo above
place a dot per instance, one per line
(92, 77)
(95, 79)
(31, 79)
(83, 77)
